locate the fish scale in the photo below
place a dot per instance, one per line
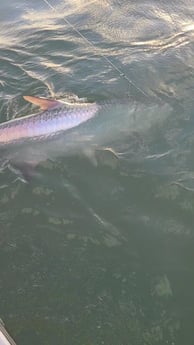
(47, 123)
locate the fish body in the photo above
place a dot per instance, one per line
(47, 124)
(70, 128)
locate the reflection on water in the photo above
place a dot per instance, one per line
(101, 255)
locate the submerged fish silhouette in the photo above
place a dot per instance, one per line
(64, 128)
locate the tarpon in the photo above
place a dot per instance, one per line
(63, 128)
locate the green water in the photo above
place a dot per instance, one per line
(96, 255)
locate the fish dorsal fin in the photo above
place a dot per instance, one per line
(43, 103)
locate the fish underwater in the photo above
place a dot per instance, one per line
(64, 128)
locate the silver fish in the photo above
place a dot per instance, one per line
(64, 128)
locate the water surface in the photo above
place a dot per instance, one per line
(96, 255)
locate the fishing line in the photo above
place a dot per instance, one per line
(85, 39)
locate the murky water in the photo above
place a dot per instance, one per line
(101, 255)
